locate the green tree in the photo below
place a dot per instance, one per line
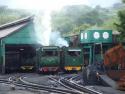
(9, 15)
(73, 18)
(61, 23)
(121, 24)
(109, 24)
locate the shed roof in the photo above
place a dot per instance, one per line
(14, 26)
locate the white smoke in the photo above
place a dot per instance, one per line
(42, 27)
(57, 40)
(43, 31)
(45, 37)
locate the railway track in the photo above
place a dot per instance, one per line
(68, 87)
(18, 81)
(69, 82)
(66, 81)
(47, 88)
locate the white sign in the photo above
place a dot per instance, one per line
(85, 35)
(81, 35)
(96, 35)
(105, 35)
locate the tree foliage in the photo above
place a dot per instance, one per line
(76, 17)
(123, 1)
(121, 24)
(9, 15)
(110, 23)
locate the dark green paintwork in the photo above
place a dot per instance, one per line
(25, 35)
(48, 61)
(2, 56)
(89, 52)
(93, 56)
(73, 60)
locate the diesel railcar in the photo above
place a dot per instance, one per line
(48, 59)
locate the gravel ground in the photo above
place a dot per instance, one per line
(7, 89)
(106, 90)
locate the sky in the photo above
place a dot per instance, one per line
(54, 4)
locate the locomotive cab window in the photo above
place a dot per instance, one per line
(74, 53)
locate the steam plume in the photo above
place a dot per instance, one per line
(57, 40)
(42, 27)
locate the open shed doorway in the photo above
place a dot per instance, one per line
(20, 58)
(87, 55)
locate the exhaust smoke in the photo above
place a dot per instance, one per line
(57, 40)
(44, 35)
(42, 27)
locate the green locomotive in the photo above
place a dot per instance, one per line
(28, 61)
(48, 59)
(72, 59)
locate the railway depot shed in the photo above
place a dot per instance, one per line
(18, 43)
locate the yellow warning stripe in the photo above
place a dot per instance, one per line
(27, 67)
(69, 68)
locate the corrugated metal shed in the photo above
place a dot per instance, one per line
(14, 26)
(16, 22)
(19, 34)
(7, 31)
